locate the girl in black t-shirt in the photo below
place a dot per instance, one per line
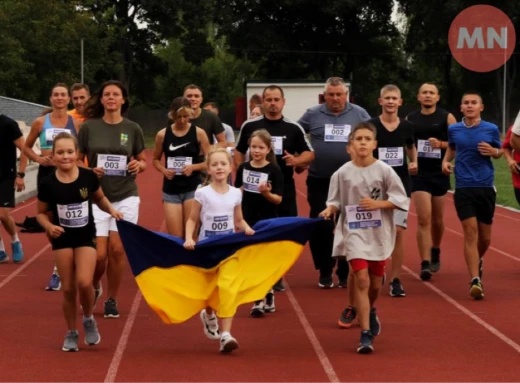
(68, 194)
(261, 181)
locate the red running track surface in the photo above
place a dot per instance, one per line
(436, 334)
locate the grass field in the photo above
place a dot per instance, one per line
(504, 184)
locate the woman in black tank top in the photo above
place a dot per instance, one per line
(181, 143)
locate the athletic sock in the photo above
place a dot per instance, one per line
(55, 270)
(87, 318)
(2, 246)
(14, 238)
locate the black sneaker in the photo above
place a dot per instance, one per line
(111, 308)
(258, 309)
(375, 324)
(436, 259)
(365, 343)
(426, 273)
(342, 283)
(326, 282)
(346, 319)
(269, 306)
(279, 286)
(396, 288)
(480, 267)
(476, 290)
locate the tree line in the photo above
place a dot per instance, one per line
(157, 47)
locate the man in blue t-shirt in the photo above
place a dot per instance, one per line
(473, 141)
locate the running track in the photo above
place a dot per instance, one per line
(436, 334)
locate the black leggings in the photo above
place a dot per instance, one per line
(517, 195)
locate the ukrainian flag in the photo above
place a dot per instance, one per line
(222, 272)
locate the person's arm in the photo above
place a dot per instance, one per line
(240, 222)
(53, 231)
(265, 189)
(102, 202)
(157, 156)
(191, 223)
(205, 147)
(447, 166)
(304, 148)
(333, 199)
(34, 133)
(221, 139)
(241, 146)
(138, 164)
(20, 182)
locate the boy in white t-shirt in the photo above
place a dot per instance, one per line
(364, 192)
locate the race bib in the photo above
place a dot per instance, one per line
(359, 218)
(218, 225)
(277, 145)
(51, 133)
(112, 164)
(392, 156)
(336, 133)
(425, 150)
(252, 179)
(177, 163)
(73, 215)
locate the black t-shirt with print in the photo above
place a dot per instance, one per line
(71, 204)
(255, 207)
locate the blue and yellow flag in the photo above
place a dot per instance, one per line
(222, 272)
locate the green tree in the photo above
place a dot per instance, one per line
(41, 46)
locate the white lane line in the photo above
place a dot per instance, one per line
(23, 207)
(24, 266)
(320, 352)
(123, 340)
(465, 311)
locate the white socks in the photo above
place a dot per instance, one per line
(14, 238)
(2, 246)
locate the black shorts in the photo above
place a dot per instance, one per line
(72, 243)
(517, 195)
(7, 192)
(475, 202)
(437, 186)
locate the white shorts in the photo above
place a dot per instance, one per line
(105, 222)
(401, 218)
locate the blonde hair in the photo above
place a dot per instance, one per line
(390, 88)
(214, 150)
(265, 137)
(64, 136)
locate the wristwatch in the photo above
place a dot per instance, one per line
(20, 174)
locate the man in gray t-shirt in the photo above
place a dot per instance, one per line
(329, 125)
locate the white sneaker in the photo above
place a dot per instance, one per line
(210, 326)
(257, 310)
(228, 344)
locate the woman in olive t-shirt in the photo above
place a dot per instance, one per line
(114, 147)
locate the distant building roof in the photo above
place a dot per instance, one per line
(20, 110)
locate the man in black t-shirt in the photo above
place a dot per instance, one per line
(430, 185)
(288, 138)
(204, 119)
(396, 143)
(11, 138)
